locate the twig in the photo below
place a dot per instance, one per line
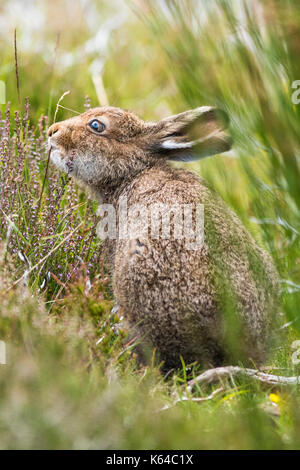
(44, 181)
(68, 109)
(194, 399)
(219, 373)
(59, 282)
(58, 104)
(16, 65)
(49, 152)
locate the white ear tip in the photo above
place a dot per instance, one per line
(172, 145)
(204, 109)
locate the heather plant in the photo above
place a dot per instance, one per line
(53, 230)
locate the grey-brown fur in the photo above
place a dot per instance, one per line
(182, 302)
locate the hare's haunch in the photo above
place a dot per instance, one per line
(207, 298)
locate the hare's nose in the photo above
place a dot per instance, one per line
(53, 129)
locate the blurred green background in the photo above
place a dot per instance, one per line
(154, 57)
(69, 45)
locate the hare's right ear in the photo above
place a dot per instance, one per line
(192, 135)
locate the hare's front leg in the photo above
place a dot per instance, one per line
(167, 300)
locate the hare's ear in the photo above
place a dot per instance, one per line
(193, 134)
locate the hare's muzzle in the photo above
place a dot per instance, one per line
(57, 148)
(53, 133)
(53, 129)
(57, 135)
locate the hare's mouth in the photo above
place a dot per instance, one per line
(59, 160)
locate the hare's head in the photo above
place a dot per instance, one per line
(105, 145)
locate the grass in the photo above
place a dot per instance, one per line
(71, 379)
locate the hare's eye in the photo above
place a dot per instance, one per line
(97, 125)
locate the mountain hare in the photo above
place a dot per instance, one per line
(211, 301)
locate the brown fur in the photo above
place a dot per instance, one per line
(183, 302)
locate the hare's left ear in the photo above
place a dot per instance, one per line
(192, 135)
